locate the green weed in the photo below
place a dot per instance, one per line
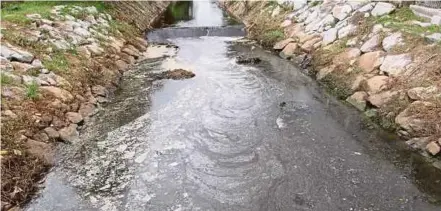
(5, 79)
(32, 90)
(58, 63)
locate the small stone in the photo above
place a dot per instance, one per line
(99, 90)
(82, 51)
(41, 136)
(286, 23)
(44, 71)
(377, 28)
(51, 133)
(33, 16)
(91, 10)
(371, 44)
(433, 148)
(9, 114)
(382, 8)
(74, 117)
(358, 100)
(69, 134)
(281, 44)
(394, 65)
(419, 143)
(37, 63)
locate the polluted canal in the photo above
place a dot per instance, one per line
(233, 137)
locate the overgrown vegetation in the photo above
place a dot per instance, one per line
(5, 79)
(32, 90)
(266, 29)
(15, 12)
(402, 19)
(57, 62)
(128, 31)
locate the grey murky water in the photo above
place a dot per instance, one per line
(221, 141)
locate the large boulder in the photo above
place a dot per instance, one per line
(424, 93)
(308, 46)
(74, 117)
(395, 65)
(371, 44)
(382, 8)
(391, 41)
(341, 11)
(41, 150)
(289, 50)
(99, 90)
(377, 83)
(345, 31)
(69, 134)
(329, 36)
(322, 73)
(57, 92)
(15, 54)
(22, 67)
(281, 44)
(382, 98)
(368, 62)
(411, 120)
(346, 56)
(366, 8)
(358, 100)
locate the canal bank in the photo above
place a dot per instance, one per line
(234, 137)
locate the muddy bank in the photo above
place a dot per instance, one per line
(60, 63)
(364, 53)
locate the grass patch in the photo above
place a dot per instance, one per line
(271, 37)
(5, 79)
(266, 29)
(127, 30)
(58, 63)
(32, 91)
(315, 3)
(15, 12)
(401, 19)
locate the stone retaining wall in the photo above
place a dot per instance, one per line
(371, 54)
(142, 14)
